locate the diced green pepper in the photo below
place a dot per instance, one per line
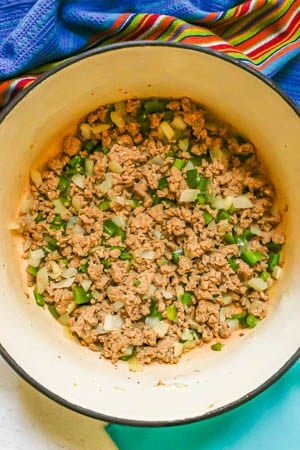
(52, 244)
(104, 205)
(163, 183)
(250, 257)
(125, 255)
(154, 311)
(89, 145)
(84, 267)
(106, 263)
(233, 264)
(229, 238)
(264, 275)
(144, 121)
(155, 105)
(39, 298)
(112, 229)
(39, 217)
(64, 183)
(176, 254)
(179, 163)
(217, 347)
(169, 115)
(58, 223)
(186, 298)
(53, 311)
(32, 270)
(201, 199)
(171, 312)
(192, 178)
(136, 282)
(203, 185)
(222, 215)
(273, 261)
(80, 295)
(207, 217)
(273, 247)
(252, 321)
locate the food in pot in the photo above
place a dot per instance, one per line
(154, 231)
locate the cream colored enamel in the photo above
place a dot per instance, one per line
(203, 380)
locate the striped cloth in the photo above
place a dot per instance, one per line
(261, 33)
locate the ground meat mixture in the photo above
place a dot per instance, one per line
(153, 232)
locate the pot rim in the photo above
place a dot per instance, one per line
(85, 411)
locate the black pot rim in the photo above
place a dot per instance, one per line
(85, 411)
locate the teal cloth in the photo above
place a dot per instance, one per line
(270, 421)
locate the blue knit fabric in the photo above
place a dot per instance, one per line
(35, 32)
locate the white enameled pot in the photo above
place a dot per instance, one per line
(203, 383)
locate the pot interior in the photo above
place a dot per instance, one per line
(203, 381)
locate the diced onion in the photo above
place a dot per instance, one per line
(157, 160)
(257, 284)
(71, 307)
(117, 119)
(65, 283)
(276, 272)
(212, 225)
(26, 203)
(99, 128)
(89, 166)
(227, 299)
(188, 195)
(106, 185)
(218, 203)
(210, 191)
(117, 306)
(166, 294)
(242, 202)
(35, 262)
(113, 322)
(180, 292)
(13, 226)
(76, 202)
(85, 130)
(157, 233)
(216, 153)
(187, 335)
(119, 221)
(256, 230)
(86, 284)
(193, 324)
(162, 261)
(189, 166)
(135, 365)
(148, 254)
(79, 180)
(178, 123)
(151, 290)
(152, 321)
(119, 200)
(115, 167)
(68, 273)
(71, 222)
(178, 349)
(167, 130)
(161, 328)
(222, 315)
(37, 254)
(183, 144)
(55, 270)
(228, 201)
(42, 280)
(232, 323)
(188, 345)
(77, 229)
(36, 178)
(59, 208)
(64, 319)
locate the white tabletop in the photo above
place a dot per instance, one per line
(30, 421)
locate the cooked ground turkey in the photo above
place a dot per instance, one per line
(153, 232)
